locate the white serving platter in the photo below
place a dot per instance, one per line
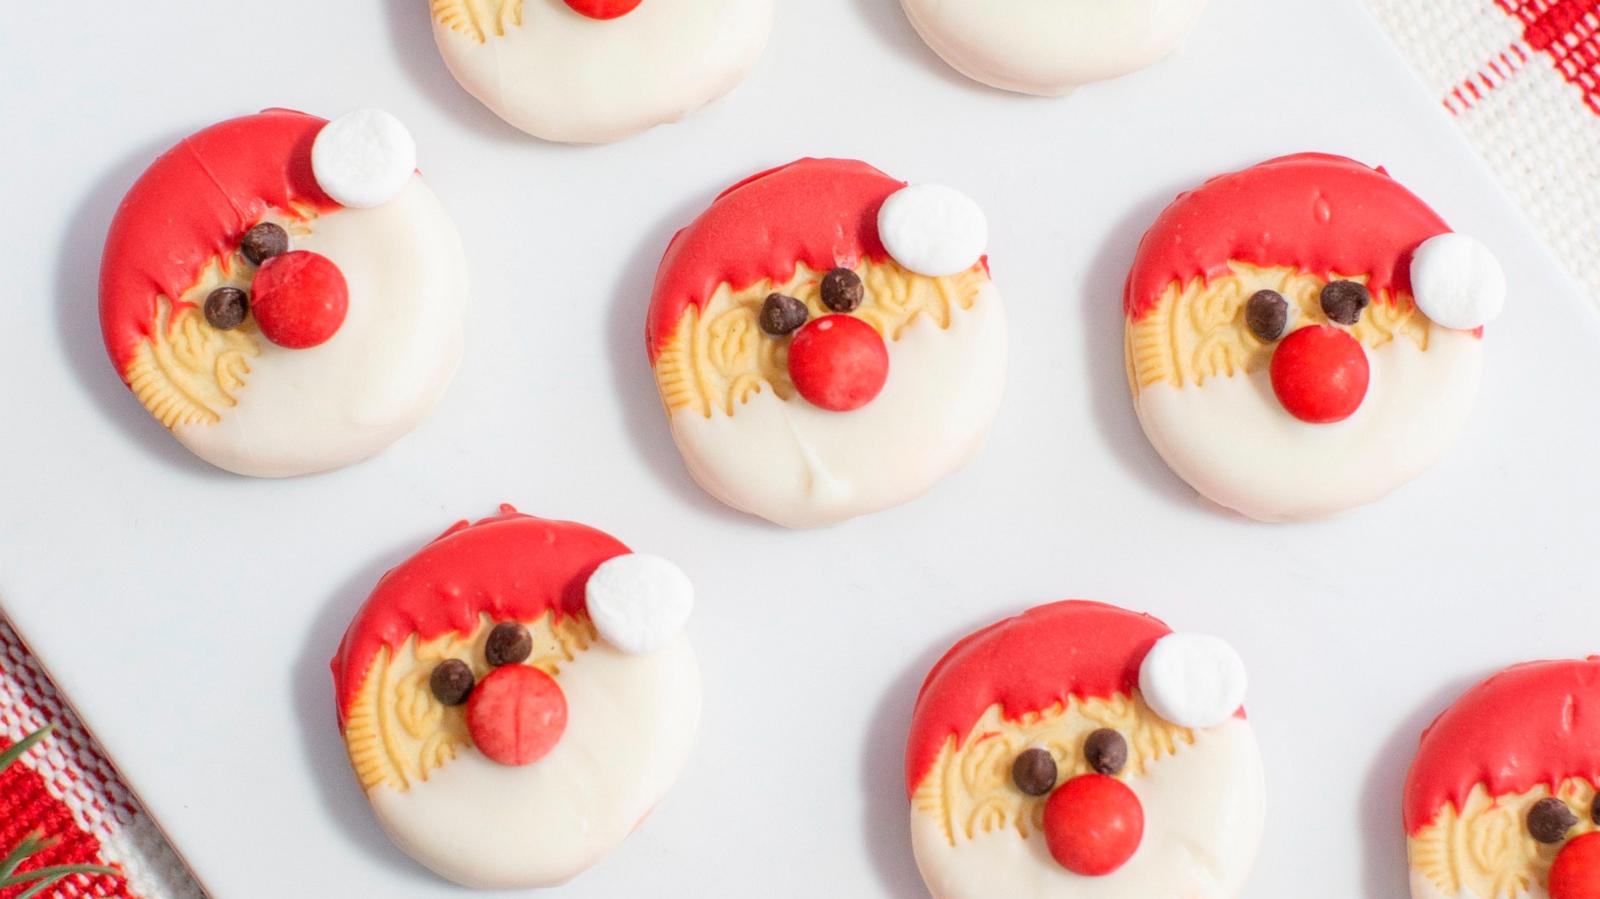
(190, 614)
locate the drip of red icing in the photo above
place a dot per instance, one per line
(1325, 215)
(193, 204)
(510, 566)
(1531, 724)
(821, 212)
(1028, 663)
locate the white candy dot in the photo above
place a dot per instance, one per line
(639, 603)
(1193, 680)
(933, 230)
(1457, 282)
(363, 159)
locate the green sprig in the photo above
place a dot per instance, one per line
(36, 842)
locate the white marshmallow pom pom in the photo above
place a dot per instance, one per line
(639, 603)
(1193, 680)
(933, 230)
(364, 158)
(1457, 282)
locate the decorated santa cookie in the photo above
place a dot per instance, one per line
(593, 71)
(1049, 47)
(1501, 801)
(1304, 336)
(1082, 751)
(517, 697)
(827, 341)
(284, 293)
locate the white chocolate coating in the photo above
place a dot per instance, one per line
(631, 721)
(1232, 441)
(1423, 888)
(378, 377)
(1049, 47)
(801, 466)
(562, 76)
(1203, 813)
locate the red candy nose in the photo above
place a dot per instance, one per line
(1576, 872)
(516, 715)
(299, 299)
(604, 9)
(838, 362)
(1320, 374)
(1093, 824)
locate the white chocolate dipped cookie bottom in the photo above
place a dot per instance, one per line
(1233, 441)
(310, 410)
(631, 721)
(1423, 888)
(561, 76)
(802, 466)
(1203, 814)
(1050, 47)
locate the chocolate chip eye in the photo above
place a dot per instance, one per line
(508, 644)
(1342, 301)
(1267, 314)
(451, 682)
(1594, 809)
(782, 315)
(226, 308)
(1106, 751)
(263, 242)
(1549, 820)
(842, 290)
(1034, 771)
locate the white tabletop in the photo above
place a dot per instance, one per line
(191, 614)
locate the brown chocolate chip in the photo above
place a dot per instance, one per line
(1594, 810)
(1267, 314)
(842, 290)
(263, 242)
(226, 308)
(1106, 751)
(1550, 819)
(1342, 301)
(508, 644)
(1034, 771)
(781, 314)
(451, 682)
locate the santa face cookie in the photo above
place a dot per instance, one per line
(1081, 751)
(1304, 336)
(1501, 801)
(283, 293)
(1049, 47)
(827, 341)
(593, 71)
(517, 697)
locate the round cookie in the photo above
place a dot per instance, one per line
(594, 71)
(1501, 800)
(1044, 762)
(1050, 47)
(505, 737)
(1279, 358)
(809, 371)
(272, 329)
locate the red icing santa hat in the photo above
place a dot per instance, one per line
(194, 204)
(820, 212)
(512, 567)
(1323, 215)
(1532, 724)
(1043, 657)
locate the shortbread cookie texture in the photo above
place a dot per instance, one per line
(595, 71)
(517, 697)
(1304, 336)
(827, 341)
(1082, 751)
(1501, 801)
(284, 293)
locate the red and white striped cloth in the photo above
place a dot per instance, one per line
(1522, 77)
